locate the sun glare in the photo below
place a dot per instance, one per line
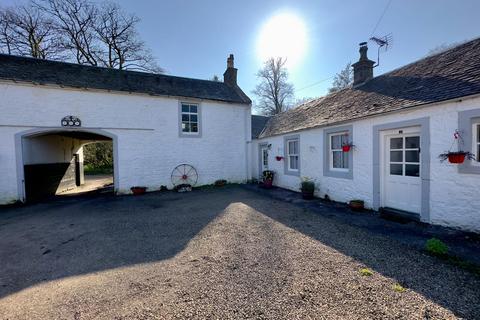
(283, 35)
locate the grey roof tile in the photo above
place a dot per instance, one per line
(451, 74)
(81, 76)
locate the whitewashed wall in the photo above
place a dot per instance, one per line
(454, 197)
(50, 149)
(147, 128)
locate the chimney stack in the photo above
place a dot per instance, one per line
(363, 68)
(230, 75)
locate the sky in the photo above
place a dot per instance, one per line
(193, 38)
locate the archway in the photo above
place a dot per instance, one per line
(50, 161)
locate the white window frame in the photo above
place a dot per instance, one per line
(476, 142)
(182, 133)
(287, 164)
(293, 154)
(331, 151)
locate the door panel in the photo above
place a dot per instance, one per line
(402, 182)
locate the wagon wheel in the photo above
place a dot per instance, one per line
(184, 174)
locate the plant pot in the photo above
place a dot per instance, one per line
(346, 148)
(307, 195)
(356, 205)
(267, 183)
(279, 158)
(456, 158)
(138, 190)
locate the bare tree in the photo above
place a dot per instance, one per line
(343, 79)
(215, 78)
(26, 31)
(274, 92)
(116, 30)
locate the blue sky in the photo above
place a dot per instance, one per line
(193, 38)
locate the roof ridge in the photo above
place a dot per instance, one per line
(87, 66)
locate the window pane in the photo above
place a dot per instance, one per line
(412, 142)
(193, 118)
(294, 162)
(344, 139)
(412, 170)
(345, 160)
(478, 133)
(337, 159)
(336, 142)
(396, 169)
(193, 127)
(396, 143)
(295, 147)
(185, 117)
(193, 108)
(185, 108)
(412, 156)
(186, 127)
(396, 156)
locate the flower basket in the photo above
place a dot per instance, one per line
(136, 190)
(346, 148)
(279, 158)
(456, 157)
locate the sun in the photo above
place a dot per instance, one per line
(283, 35)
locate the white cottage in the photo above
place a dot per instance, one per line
(49, 110)
(399, 123)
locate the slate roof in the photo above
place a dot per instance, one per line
(39, 71)
(450, 74)
(258, 123)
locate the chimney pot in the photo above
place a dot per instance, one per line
(230, 75)
(363, 69)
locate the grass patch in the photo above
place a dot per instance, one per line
(366, 272)
(398, 288)
(437, 248)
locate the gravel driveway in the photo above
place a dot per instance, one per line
(218, 254)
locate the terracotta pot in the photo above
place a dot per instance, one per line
(267, 183)
(138, 190)
(279, 158)
(307, 195)
(456, 158)
(356, 205)
(346, 148)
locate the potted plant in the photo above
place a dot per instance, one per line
(456, 157)
(220, 183)
(137, 190)
(279, 158)
(357, 205)
(347, 146)
(307, 186)
(268, 178)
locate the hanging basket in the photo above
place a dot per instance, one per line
(346, 148)
(456, 158)
(279, 158)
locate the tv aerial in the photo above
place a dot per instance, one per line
(382, 42)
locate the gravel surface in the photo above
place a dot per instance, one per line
(222, 253)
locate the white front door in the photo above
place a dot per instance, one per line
(263, 158)
(401, 171)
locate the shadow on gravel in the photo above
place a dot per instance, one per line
(439, 282)
(75, 236)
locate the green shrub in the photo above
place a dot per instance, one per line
(398, 288)
(366, 272)
(307, 185)
(436, 247)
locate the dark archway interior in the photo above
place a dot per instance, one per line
(53, 163)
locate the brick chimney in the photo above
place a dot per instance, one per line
(363, 68)
(230, 75)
